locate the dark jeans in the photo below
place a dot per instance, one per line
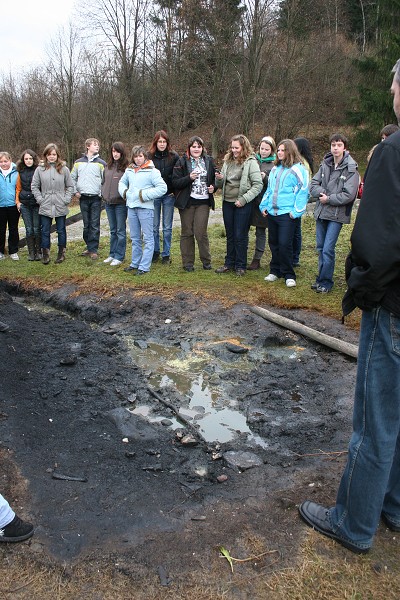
(280, 238)
(91, 210)
(297, 238)
(237, 224)
(30, 215)
(61, 231)
(9, 215)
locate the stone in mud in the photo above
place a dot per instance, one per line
(241, 461)
(68, 361)
(141, 344)
(166, 422)
(222, 478)
(236, 348)
(132, 426)
(189, 440)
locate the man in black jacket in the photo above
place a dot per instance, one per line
(370, 485)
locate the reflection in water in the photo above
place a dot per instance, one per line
(209, 405)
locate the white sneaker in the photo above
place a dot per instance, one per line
(270, 277)
(1, 256)
(290, 283)
(14, 256)
(115, 262)
(108, 260)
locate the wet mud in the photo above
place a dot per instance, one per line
(92, 453)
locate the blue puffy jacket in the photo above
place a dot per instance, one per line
(7, 187)
(287, 191)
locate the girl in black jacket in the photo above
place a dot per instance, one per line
(164, 159)
(194, 183)
(26, 203)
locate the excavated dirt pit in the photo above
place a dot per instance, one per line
(86, 384)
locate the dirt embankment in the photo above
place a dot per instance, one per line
(142, 496)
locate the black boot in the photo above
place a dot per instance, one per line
(38, 248)
(61, 255)
(30, 242)
(46, 256)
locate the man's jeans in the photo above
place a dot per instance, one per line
(30, 215)
(327, 235)
(166, 204)
(141, 222)
(116, 214)
(61, 231)
(237, 225)
(370, 483)
(91, 210)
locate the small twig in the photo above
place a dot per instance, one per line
(256, 393)
(20, 587)
(183, 501)
(322, 453)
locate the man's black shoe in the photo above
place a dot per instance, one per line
(316, 516)
(16, 531)
(166, 260)
(188, 269)
(156, 256)
(392, 526)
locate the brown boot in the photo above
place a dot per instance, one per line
(254, 265)
(61, 255)
(38, 248)
(46, 256)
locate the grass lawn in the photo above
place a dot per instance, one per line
(169, 279)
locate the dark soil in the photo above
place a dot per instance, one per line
(66, 379)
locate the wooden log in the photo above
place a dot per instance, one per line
(317, 336)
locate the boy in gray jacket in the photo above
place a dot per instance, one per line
(87, 175)
(335, 188)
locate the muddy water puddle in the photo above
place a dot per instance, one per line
(194, 373)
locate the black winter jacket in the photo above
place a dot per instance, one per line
(26, 196)
(373, 266)
(183, 184)
(165, 162)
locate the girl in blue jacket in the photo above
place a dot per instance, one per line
(284, 201)
(140, 185)
(9, 213)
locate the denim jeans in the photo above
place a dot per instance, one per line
(280, 239)
(327, 236)
(297, 239)
(6, 512)
(141, 223)
(116, 214)
(30, 215)
(371, 481)
(91, 210)
(61, 231)
(237, 224)
(166, 203)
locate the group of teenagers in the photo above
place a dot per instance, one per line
(268, 189)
